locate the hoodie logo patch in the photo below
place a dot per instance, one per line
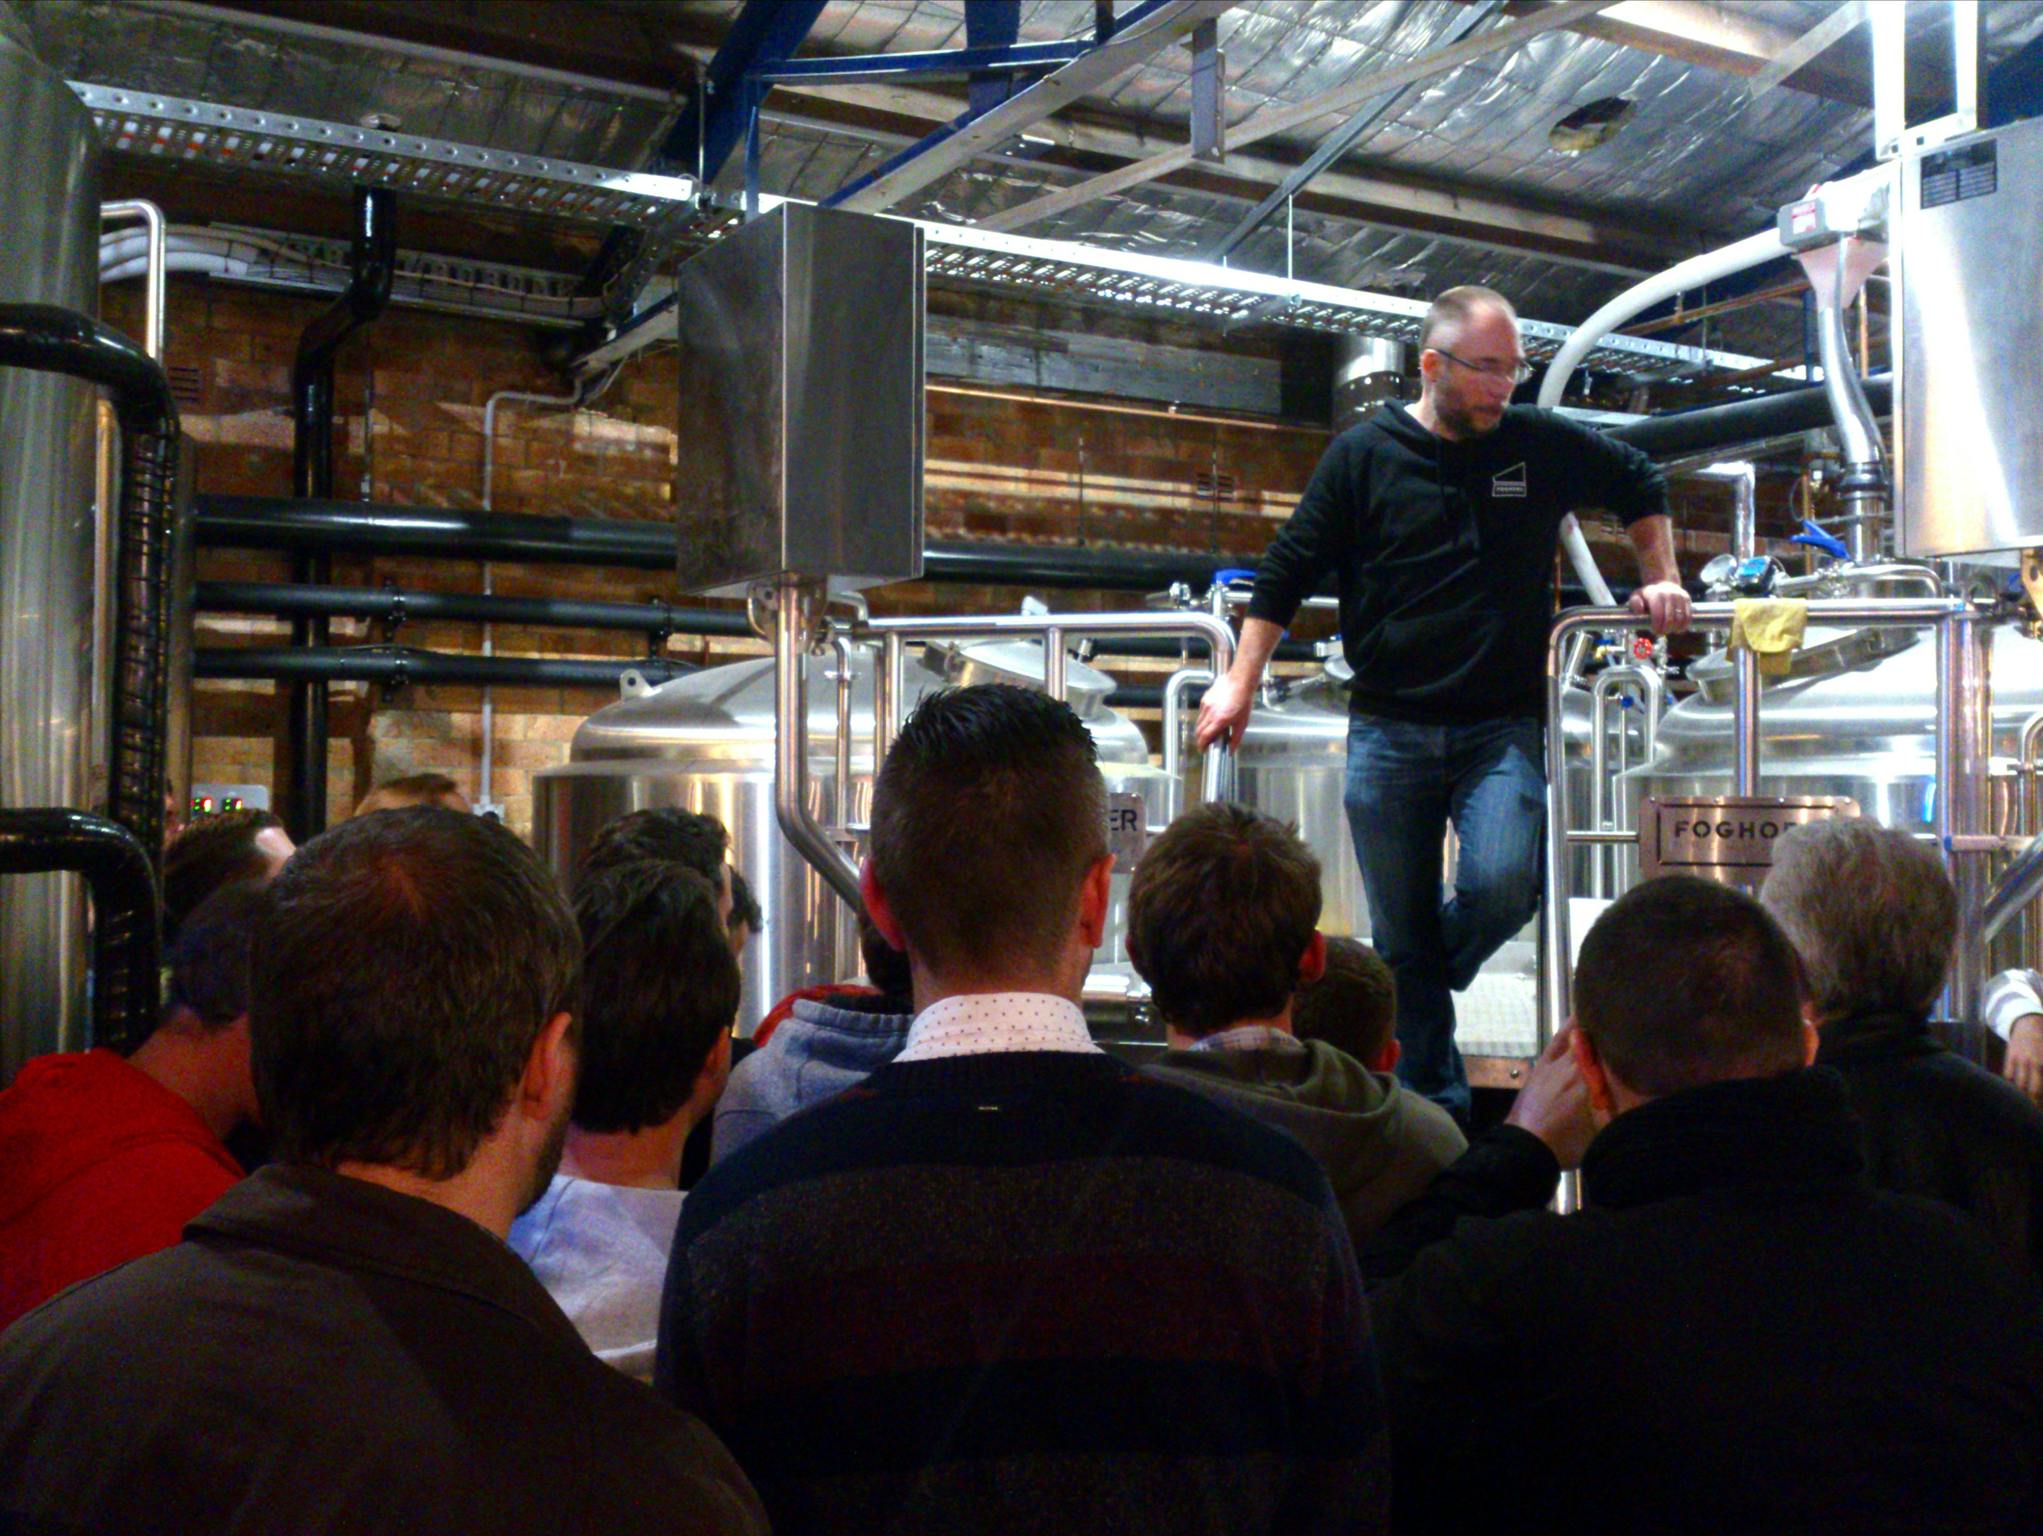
(1510, 482)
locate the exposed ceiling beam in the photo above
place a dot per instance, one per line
(454, 58)
(1716, 37)
(1273, 120)
(1333, 148)
(1382, 196)
(498, 34)
(1132, 42)
(763, 34)
(1808, 47)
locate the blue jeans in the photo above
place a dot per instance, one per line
(1405, 782)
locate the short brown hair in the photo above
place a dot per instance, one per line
(213, 851)
(1353, 1007)
(1684, 982)
(987, 813)
(1220, 912)
(660, 987)
(693, 839)
(1457, 306)
(414, 789)
(402, 968)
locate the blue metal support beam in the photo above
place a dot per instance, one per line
(764, 35)
(1164, 12)
(2013, 88)
(991, 24)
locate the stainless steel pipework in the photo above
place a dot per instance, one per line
(1963, 677)
(796, 602)
(1652, 696)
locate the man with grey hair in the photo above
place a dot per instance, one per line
(1873, 915)
(1438, 523)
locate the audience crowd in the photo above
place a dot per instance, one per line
(527, 1242)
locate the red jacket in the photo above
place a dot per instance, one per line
(99, 1164)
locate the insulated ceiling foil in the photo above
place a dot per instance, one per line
(1702, 159)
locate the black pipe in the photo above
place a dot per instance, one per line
(1163, 648)
(372, 263)
(359, 528)
(54, 340)
(356, 528)
(1070, 568)
(126, 909)
(389, 605)
(1743, 421)
(395, 666)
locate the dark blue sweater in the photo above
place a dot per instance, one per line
(1028, 1292)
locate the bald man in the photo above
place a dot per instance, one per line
(1439, 524)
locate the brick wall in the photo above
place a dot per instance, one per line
(411, 392)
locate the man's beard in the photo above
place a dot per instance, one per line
(549, 1163)
(1464, 423)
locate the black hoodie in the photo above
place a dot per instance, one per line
(1444, 553)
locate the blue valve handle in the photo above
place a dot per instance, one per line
(1233, 573)
(1818, 539)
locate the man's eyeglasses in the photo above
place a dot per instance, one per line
(1517, 372)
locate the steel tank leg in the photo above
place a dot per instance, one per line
(1963, 746)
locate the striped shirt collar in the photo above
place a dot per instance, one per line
(983, 1023)
(1249, 1037)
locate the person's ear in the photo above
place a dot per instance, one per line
(716, 1071)
(547, 1090)
(1595, 1076)
(1386, 1060)
(1313, 963)
(1430, 365)
(876, 907)
(1812, 1040)
(1095, 897)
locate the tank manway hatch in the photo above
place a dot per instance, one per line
(1969, 263)
(800, 441)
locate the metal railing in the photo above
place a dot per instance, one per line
(796, 604)
(1962, 745)
(1651, 691)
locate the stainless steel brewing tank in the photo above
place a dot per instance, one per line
(1866, 730)
(1293, 765)
(49, 251)
(706, 743)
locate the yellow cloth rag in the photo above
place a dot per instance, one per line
(1771, 628)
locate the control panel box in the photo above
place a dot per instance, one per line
(1968, 268)
(801, 420)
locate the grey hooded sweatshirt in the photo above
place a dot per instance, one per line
(1379, 1144)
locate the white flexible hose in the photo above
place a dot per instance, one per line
(1693, 273)
(207, 262)
(1739, 256)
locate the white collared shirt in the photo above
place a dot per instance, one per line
(2010, 996)
(982, 1023)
